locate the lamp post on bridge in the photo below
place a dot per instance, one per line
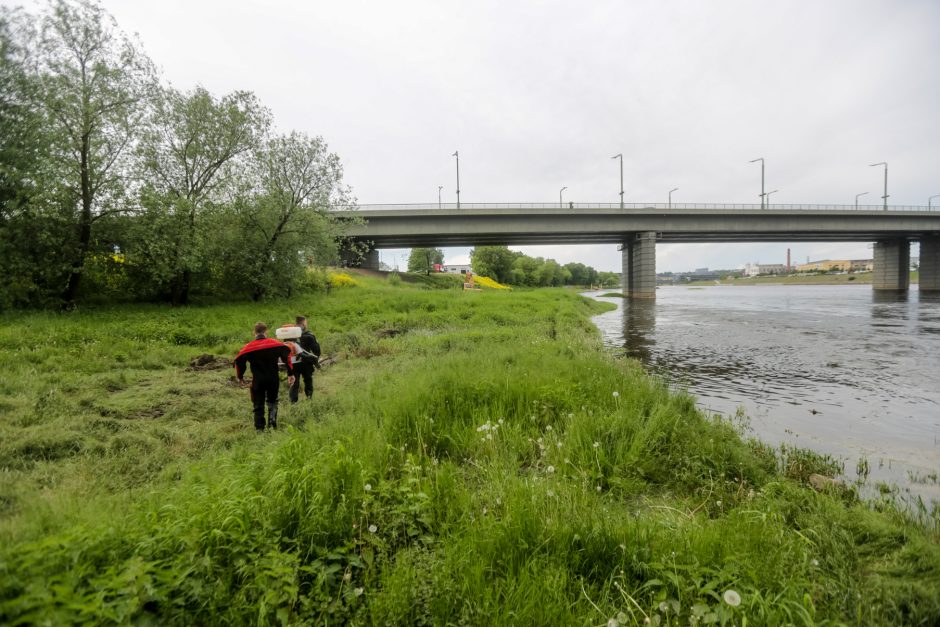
(674, 189)
(856, 199)
(619, 155)
(930, 201)
(763, 196)
(768, 197)
(439, 188)
(457, 154)
(560, 201)
(885, 197)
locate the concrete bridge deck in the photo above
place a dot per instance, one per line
(637, 228)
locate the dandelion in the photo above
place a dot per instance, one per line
(567, 461)
(358, 591)
(732, 598)
(815, 562)
(347, 576)
(598, 488)
(551, 493)
(373, 528)
(550, 469)
(367, 487)
(613, 622)
(548, 428)
(558, 444)
(571, 415)
(616, 394)
(596, 444)
(718, 503)
(500, 421)
(623, 547)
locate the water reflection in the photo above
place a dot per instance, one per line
(846, 370)
(639, 326)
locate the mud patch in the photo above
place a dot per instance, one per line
(209, 362)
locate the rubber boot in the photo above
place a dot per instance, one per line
(272, 415)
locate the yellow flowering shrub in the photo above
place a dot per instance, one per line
(485, 281)
(341, 279)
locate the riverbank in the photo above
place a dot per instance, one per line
(856, 278)
(471, 458)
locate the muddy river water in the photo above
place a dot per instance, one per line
(837, 369)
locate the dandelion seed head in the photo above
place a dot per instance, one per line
(596, 444)
(367, 487)
(616, 394)
(718, 503)
(551, 493)
(613, 622)
(347, 576)
(550, 469)
(358, 591)
(815, 562)
(548, 428)
(373, 528)
(598, 488)
(732, 598)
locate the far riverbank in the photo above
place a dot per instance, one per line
(856, 278)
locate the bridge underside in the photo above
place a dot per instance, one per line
(638, 232)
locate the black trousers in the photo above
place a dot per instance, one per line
(264, 392)
(305, 372)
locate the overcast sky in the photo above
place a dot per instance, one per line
(538, 95)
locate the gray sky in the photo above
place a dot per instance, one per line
(539, 95)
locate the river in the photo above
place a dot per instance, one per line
(837, 369)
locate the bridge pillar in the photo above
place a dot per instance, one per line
(352, 259)
(930, 264)
(639, 265)
(892, 261)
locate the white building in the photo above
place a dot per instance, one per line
(455, 268)
(754, 269)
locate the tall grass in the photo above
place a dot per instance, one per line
(487, 463)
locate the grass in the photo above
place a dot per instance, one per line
(486, 463)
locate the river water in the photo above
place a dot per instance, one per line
(837, 369)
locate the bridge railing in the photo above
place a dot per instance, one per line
(627, 206)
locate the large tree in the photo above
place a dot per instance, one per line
(95, 84)
(192, 158)
(423, 259)
(494, 262)
(288, 224)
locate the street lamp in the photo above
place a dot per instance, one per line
(856, 198)
(674, 189)
(439, 188)
(560, 202)
(620, 156)
(930, 201)
(457, 154)
(762, 195)
(885, 197)
(768, 197)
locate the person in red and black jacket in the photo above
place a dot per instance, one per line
(263, 354)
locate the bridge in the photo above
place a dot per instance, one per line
(638, 227)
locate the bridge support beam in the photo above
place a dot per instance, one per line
(930, 264)
(892, 261)
(639, 265)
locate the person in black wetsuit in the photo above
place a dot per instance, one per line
(303, 367)
(263, 354)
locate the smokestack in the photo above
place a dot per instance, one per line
(788, 260)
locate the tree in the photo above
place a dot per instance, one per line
(423, 259)
(494, 262)
(190, 158)
(25, 242)
(288, 225)
(95, 84)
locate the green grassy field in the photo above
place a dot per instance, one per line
(472, 458)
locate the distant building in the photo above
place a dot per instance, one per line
(455, 268)
(755, 269)
(837, 265)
